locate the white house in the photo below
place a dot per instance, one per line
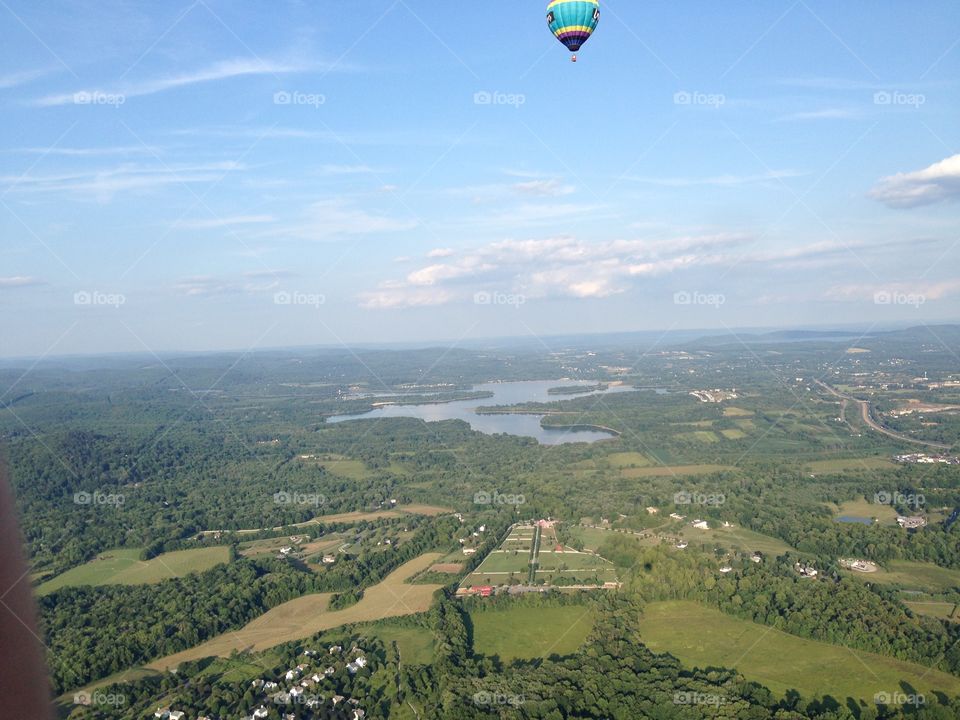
(701, 525)
(260, 712)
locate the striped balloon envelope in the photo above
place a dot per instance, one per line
(573, 21)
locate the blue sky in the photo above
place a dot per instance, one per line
(209, 175)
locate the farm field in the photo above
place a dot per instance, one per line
(415, 643)
(915, 576)
(307, 615)
(867, 463)
(123, 567)
(660, 470)
(629, 459)
(732, 411)
(733, 434)
(701, 637)
(942, 610)
(737, 538)
(527, 632)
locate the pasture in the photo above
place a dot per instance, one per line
(915, 576)
(703, 637)
(123, 567)
(307, 615)
(529, 632)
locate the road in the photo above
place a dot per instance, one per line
(868, 420)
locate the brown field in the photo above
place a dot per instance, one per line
(631, 473)
(428, 510)
(452, 568)
(304, 616)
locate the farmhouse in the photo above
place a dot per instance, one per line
(469, 551)
(678, 516)
(329, 559)
(701, 524)
(652, 510)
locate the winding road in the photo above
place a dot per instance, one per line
(868, 420)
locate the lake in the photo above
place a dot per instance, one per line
(508, 393)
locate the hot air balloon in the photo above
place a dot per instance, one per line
(573, 21)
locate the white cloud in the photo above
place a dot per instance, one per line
(718, 180)
(219, 71)
(939, 182)
(225, 222)
(543, 188)
(104, 183)
(391, 298)
(825, 114)
(329, 219)
(549, 267)
(19, 281)
(440, 253)
(928, 289)
(15, 79)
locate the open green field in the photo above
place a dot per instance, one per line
(571, 560)
(701, 436)
(702, 637)
(866, 509)
(629, 459)
(123, 567)
(867, 463)
(942, 610)
(415, 643)
(736, 412)
(527, 632)
(304, 616)
(350, 469)
(592, 538)
(914, 576)
(733, 434)
(736, 538)
(661, 470)
(498, 561)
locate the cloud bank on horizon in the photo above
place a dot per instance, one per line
(223, 169)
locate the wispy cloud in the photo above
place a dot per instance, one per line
(223, 70)
(250, 283)
(88, 152)
(939, 182)
(718, 180)
(103, 184)
(231, 221)
(23, 77)
(824, 114)
(20, 281)
(340, 217)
